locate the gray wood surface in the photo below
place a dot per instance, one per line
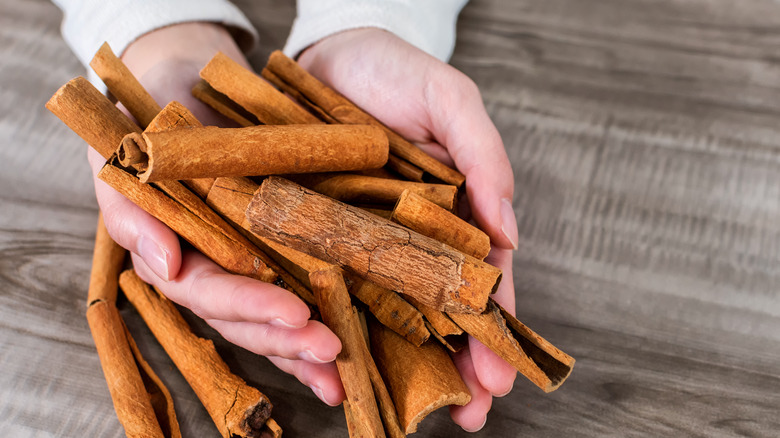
(645, 140)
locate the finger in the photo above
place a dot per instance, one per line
(473, 416)
(461, 123)
(314, 343)
(212, 293)
(134, 229)
(323, 379)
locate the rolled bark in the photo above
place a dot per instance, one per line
(361, 189)
(441, 326)
(124, 86)
(261, 150)
(373, 248)
(533, 356)
(223, 104)
(339, 108)
(429, 219)
(91, 115)
(420, 379)
(236, 408)
(339, 315)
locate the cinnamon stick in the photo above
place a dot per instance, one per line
(236, 408)
(405, 169)
(441, 326)
(378, 250)
(252, 93)
(340, 108)
(372, 190)
(420, 379)
(428, 219)
(142, 403)
(533, 356)
(124, 86)
(261, 150)
(223, 104)
(339, 315)
(224, 251)
(391, 310)
(91, 115)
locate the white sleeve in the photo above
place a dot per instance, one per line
(88, 23)
(426, 24)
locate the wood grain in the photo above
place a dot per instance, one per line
(644, 140)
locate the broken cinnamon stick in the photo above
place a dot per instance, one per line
(533, 356)
(124, 86)
(91, 115)
(429, 219)
(261, 150)
(420, 379)
(378, 250)
(339, 315)
(441, 326)
(142, 403)
(340, 108)
(252, 93)
(371, 190)
(236, 408)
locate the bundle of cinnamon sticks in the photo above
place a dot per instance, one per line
(315, 195)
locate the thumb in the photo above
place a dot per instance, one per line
(461, 123)
(134, 229)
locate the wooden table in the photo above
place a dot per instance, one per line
(645, 140)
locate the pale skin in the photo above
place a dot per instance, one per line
(423, 99)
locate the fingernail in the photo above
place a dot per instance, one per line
(507, 391)
(308, 356)
(154, 256)
(279, 322)
(508, 221)
(477, 429)
(318, 392)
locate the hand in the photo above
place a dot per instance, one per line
(440, 109)
(260, 317)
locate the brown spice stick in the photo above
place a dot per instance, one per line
(262, 150)
(339, 315)
(200, 186)
(340, 108)
(533, 356)
(371, 190)
(405, 169)
(427, 218)
(124, 86)
(143, 405)
(420, 379)
(235, 407)
(391, 310)
(224, 251)
(441, 326)
(223, 105)
(378, 250)
(91, 115)
(252, 93)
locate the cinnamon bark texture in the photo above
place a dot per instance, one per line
(391, 310)
(372, 190)
(124, 86)
(261, 150)
(533, 356)
(253, 93)
(338, 314)
(236, 408)
(224, 251)
(441, 326)
(405, 169)
(287, 72)
(378, 250)
(142, 403)
(91, 115)
(428, 219)
(420, 379)
(223, 105)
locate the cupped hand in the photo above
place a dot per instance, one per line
(260, 317)
(440, 109)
